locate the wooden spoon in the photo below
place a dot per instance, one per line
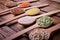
(32, 27)
(30, 19)
(25, 1)
(43, 33)
(22, 14)
(55, 19)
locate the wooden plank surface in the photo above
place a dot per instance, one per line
(14, 30)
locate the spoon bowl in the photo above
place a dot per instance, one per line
(27, 20)
(45, 21)
(38, 34)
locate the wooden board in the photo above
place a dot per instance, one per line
(13, 28)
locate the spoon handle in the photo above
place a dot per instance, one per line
(8, 9)
(21, 32)
(49, 13)
(12, 19)
(56, 27)
(37, 6)
(26, 1)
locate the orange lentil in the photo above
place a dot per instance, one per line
(24, 4)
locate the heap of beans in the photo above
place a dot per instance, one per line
(45, 21)
(33, 11)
